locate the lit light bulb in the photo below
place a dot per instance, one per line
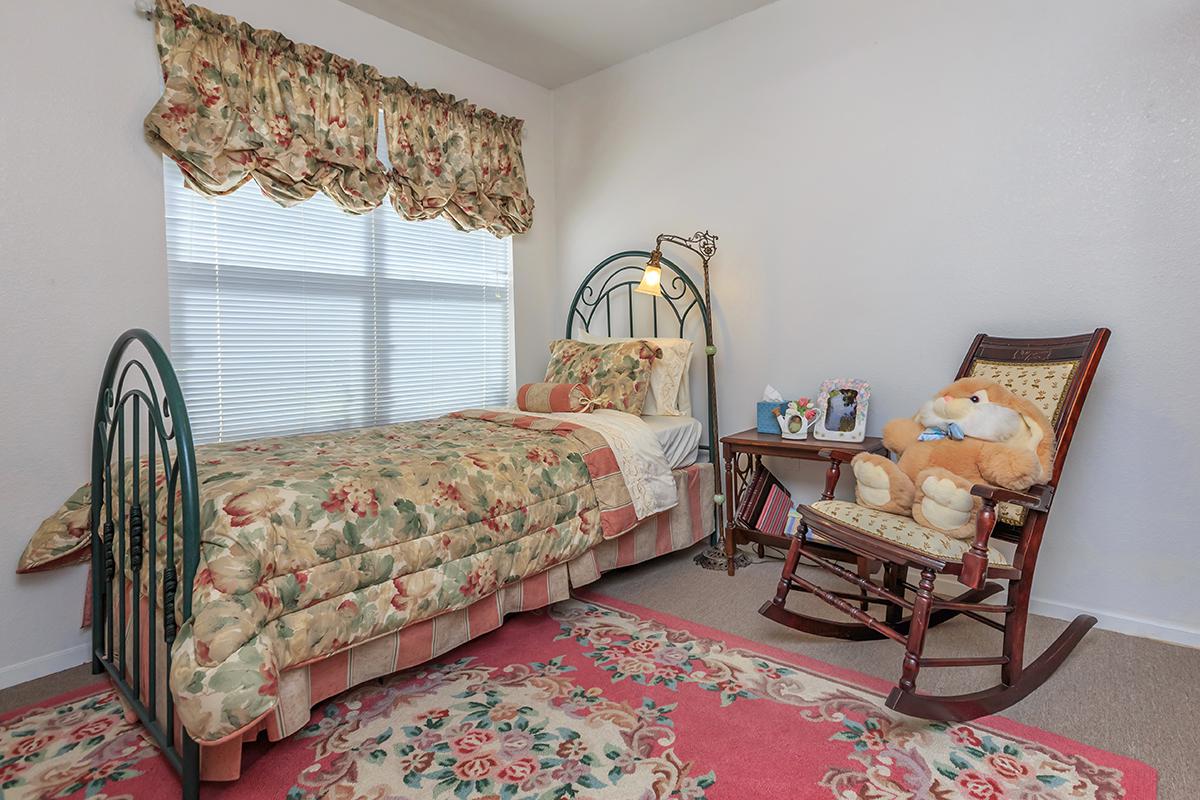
(652, 277)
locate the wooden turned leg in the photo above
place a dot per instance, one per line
(894, 576)
(730, 552)
(789, 567)
(864, 572)
(1014, 631)
(731, 497)
(922, 604)
(832, 474)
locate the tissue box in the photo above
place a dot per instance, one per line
(767, 422)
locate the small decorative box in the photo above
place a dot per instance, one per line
(767, 423)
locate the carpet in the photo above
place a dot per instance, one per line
(595, 700)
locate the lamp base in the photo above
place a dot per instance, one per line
(714, 558)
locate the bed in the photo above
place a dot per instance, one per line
(248, 581)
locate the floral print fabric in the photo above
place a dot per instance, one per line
(466, 730)
(903, 531)
(241, 103)
(618, 374)
(589, 700)
(452, 159)
(82, 747)
(62, 538)
(890, 756)
(312, 544)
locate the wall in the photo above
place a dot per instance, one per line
(81, 227)
(887, 179)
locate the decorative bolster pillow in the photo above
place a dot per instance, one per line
(545, 398)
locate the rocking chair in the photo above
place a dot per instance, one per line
(1052, 373)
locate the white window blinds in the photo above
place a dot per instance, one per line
(290, 320)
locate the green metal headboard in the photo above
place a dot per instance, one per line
(590, 298)
(602, 288)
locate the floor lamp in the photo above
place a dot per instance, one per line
(703, 244)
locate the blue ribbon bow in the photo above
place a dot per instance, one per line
(932, 434)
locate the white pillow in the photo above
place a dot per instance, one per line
(669, 393)
(684, 401)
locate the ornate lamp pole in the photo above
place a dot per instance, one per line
(703, 244)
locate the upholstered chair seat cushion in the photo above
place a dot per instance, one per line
(903, 531)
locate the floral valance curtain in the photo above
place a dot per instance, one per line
(241, 103)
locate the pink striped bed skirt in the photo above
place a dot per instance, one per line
(303, 686)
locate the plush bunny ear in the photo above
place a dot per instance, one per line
(1041, 433)
(1036, 434)
(1043, 444)
(991, 422)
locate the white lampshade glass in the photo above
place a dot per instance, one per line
(651, 281)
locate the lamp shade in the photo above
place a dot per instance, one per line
(651, 278)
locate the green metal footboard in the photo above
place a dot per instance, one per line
(142, 447)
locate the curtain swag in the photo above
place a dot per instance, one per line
(241, 103)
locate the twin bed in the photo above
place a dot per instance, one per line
(247, 581)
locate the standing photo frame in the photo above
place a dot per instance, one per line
(843, 404)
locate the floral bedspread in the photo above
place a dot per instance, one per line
(312, 544)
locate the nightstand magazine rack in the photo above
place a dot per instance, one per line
(743, 452)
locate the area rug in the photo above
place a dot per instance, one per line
(591, 699)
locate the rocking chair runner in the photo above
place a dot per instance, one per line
(1053, 373)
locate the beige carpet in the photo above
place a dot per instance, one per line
(1132, 696)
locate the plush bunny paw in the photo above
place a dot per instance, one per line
(880, 484)
(944, 502)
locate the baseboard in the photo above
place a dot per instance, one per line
(43, 665)
(1134, 626)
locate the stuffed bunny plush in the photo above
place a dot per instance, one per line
(973, 431)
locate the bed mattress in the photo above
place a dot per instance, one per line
(679, 437)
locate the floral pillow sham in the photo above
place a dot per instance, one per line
(618, 373)
(669, 393)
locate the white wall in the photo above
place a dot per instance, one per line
(82, 253)
(1014, 168)
(887, 179)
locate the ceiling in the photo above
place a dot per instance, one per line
(553, 42)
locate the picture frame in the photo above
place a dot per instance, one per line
(844, 403)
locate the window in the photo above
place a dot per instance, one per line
(291, 320)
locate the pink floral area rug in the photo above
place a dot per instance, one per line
(591, 699)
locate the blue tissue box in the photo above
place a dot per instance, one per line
(767, 422)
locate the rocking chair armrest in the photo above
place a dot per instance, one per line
(975, 560)
(1036, 499)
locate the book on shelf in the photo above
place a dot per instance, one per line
(773, 516)
(751, 494)
(755, 496)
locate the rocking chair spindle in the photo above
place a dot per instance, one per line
(1055, 373)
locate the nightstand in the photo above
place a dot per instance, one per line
(742, 452)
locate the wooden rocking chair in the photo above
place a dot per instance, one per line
(1056, 375)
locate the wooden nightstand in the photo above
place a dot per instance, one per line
(742, 452)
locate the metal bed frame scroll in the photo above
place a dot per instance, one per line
(136, 402)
